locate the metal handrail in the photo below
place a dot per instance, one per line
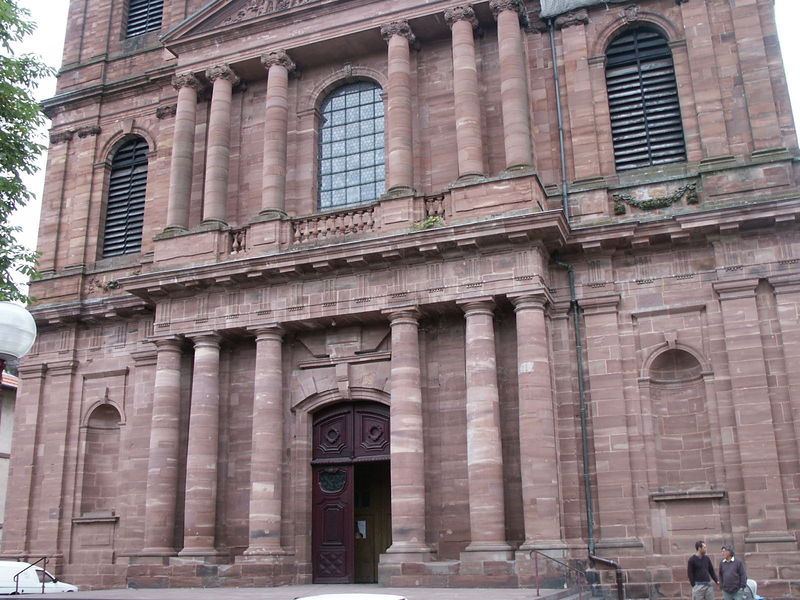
(604, 561)
(16, 577)
(535, 555)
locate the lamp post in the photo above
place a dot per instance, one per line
(17, 333)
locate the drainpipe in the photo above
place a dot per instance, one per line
(587, 488)
(560, 118)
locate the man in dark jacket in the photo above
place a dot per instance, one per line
(701, 573)
(732, 575)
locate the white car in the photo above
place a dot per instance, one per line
(353, 596)
(30, 579)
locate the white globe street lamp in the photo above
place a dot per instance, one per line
(17, 333)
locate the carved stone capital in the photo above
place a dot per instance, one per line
(630, 13)
(401, 28)
(222, 72)
(499, 6)
(460, 13)
(278, 57)
(88, 130)
(578, 17)
(186, 79)
(60, 137)
(170, 110)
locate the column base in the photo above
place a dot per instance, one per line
(210, 224)
(171, 230)
(260, 552)
(406, 552)
(399, 190)
(469, 179)
(483, 551)
(201, 554)
(163, 551)
(269, 214)
(542, 545)
(521, 168)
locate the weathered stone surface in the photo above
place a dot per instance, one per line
(132, 444)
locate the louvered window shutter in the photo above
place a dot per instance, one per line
(144, 16)
(126, 193)
(643, 100)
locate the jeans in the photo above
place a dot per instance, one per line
(702, 591)
(737, 595)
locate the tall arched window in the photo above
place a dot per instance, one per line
(643, 100)
(144, 16)
(351, 163)
(125, 204)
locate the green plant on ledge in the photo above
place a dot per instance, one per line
(428, 223)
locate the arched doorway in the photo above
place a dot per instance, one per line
(351, 521)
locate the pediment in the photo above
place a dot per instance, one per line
(224, 14)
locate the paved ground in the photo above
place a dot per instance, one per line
(298, 591)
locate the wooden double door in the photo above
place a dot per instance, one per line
(351, 524)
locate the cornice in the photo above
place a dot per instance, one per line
(155, 77)
(116, 307)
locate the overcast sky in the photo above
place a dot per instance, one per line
(47, 41)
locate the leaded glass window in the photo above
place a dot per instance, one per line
(351, 160)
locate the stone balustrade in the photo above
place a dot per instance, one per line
(328, 225)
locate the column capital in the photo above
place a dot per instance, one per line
(222, 72)
(538, 300)
(401, 28)
(407, 314)
(498, 6)
(207, 340)
(267, 332)
(169, 343)
(461, 13)
(733, 290)
(186, 80)
(477, 306)
(278, 57)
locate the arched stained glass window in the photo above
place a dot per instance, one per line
(126, 194)
(643, 100)
(351, 161)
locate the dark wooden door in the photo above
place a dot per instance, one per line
(343, 436)
(333, 537)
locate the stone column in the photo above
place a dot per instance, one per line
(162, 461)
(180, 174)
(537, 429)
(484, 449)
(407, 452)
(465, 91)
(513, 84)
(707, 94)
(201, 455)
(399, 159)
(267, 454)
(276, 119)
(219, 135)
(27, 414)
(611, 435)
(752, 405)
(753, 68)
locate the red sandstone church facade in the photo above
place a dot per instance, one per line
(306, 305)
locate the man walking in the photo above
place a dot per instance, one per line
(732, 575)
(701, 573)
